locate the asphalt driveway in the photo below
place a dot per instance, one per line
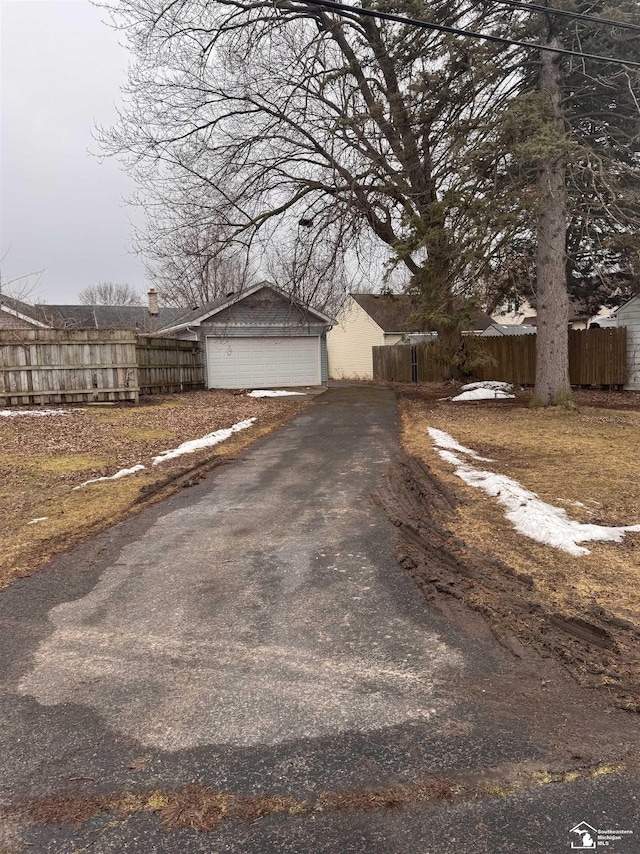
(255, 633)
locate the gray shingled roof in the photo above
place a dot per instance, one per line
(17, 305)
(134, 317)
(510, 329)
(191, 315)
(199, 312)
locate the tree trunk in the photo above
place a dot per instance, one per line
(552, 345)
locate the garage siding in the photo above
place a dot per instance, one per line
(324, 360)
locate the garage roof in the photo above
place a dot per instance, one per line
(195, 316)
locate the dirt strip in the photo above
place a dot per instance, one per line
(597, 648)
(204, 808)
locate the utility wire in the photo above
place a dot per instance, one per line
(341, 8)
(564, 13)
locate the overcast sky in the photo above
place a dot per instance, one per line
(60, 208)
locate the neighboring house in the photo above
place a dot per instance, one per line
(629, 315)
(578, 316)
(604, 322)
(373, 320)
(15, 314)
(500, 329)
(258, 338)
(512, 313)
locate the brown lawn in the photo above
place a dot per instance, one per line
(43, 459)
(587, 456)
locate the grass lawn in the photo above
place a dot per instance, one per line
(583, 610)
(43, 459)
(587, 456)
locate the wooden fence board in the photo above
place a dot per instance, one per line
(67, 366)
(393, 363)
(515, 359)
(169, 365)
(596, 357)
(46, 366)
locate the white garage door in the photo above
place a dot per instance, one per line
(263, 362)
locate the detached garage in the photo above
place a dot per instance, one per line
(260, 338)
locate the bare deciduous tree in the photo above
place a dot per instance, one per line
(110, 293)
(277, 117)
(190, 264)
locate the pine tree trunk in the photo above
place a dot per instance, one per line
(552, 346)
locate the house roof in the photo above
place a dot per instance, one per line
(19, 309)
(512, 328)
(135, 317)
(576, 312)
(190, 316)
(393, 313)
(195, 316)
(625, 304)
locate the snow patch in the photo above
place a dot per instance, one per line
(444, 440)
(116, 476)
(39, 519)
(530, 515)
(267, 393)
(485, 390)
(205, 442)
(36, 413)
(494, 384)
(483, 394)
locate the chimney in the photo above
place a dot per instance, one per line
(152, 298)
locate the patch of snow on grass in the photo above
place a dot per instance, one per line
(485, 390)
(268, 393)
(530, 515)
(444, 440)
(494, 384)
(483, 394)
(39, 519)
(207, 441)
(37, 413)
(116, 476)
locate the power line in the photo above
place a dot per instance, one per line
(456, 31)
(564, 13)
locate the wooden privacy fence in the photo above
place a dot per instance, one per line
(168, 365)
(67, 366)
(596, 357)
(46, 366)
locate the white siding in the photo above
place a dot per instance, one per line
(629, 316)
(391, 338)
(263, 362)
(350, 341)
